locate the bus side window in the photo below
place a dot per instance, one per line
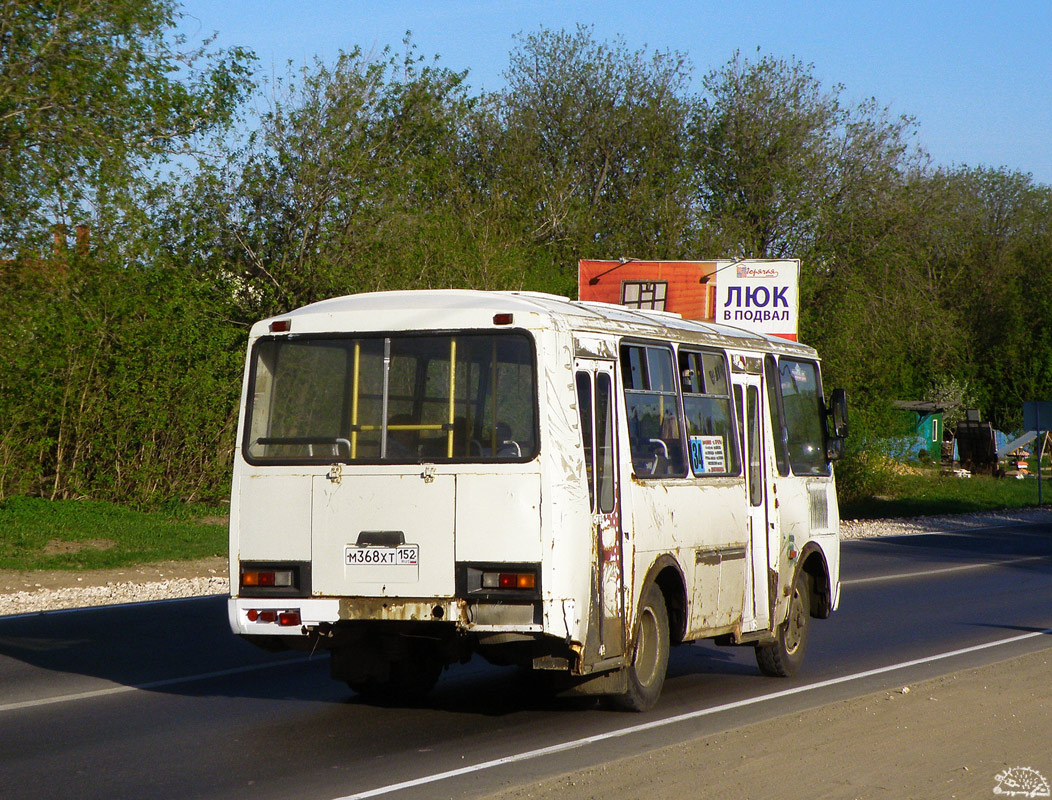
(604, 440)
(777, 414)
(654, 425)
(707, 408)
(584, 406)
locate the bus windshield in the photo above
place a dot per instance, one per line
(405, 398)
(801, 395)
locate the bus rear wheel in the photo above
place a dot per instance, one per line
(784, 657)
(646, 672)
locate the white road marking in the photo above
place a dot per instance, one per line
(69, 698)
(646, 726)
(929, 572)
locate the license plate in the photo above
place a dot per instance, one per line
(407, 555)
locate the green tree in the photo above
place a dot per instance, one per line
(588, 143)
(92, 92)
(783, 169)
(357, 179)
(116, 378)
(996, 275)
(777, 156)
(118, 381)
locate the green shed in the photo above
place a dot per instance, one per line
(925, 421)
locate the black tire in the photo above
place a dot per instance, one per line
(785, 655)
(646, 672)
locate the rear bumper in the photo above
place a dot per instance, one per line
(477, 616)
(312, 613)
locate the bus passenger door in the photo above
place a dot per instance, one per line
(595, 397)
(748, 402)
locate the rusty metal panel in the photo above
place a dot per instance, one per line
(600, 347)
(395, 609)
(515, 615)
(719, 587)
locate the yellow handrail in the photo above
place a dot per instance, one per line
(430, 426)
(452, 398)
(438, 426)
(493, 392)
(354, 401)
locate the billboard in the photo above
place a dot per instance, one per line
(759, 294)
(756, 294)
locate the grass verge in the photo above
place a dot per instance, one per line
(84, 534)
(928, 493)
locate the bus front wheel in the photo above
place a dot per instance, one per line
(646, 672)
(783, 657)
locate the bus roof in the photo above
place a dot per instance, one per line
(446, 309)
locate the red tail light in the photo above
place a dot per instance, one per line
(267, 577)
(288, 618)
(509, 580)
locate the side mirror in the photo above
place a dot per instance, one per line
(837, 409)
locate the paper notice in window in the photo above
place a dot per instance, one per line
(707, 455)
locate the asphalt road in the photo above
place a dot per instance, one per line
(159, 700)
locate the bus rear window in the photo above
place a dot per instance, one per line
(405, 399)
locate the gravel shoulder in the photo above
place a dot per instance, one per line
(868, 528)
(24, 592)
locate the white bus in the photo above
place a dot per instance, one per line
(572, 487)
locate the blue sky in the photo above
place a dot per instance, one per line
(976, 76)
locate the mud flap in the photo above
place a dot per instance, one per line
(613, 682)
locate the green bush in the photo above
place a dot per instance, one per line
(116, 382)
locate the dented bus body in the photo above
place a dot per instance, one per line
(571, 487)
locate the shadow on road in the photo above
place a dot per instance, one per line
(185, 648)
